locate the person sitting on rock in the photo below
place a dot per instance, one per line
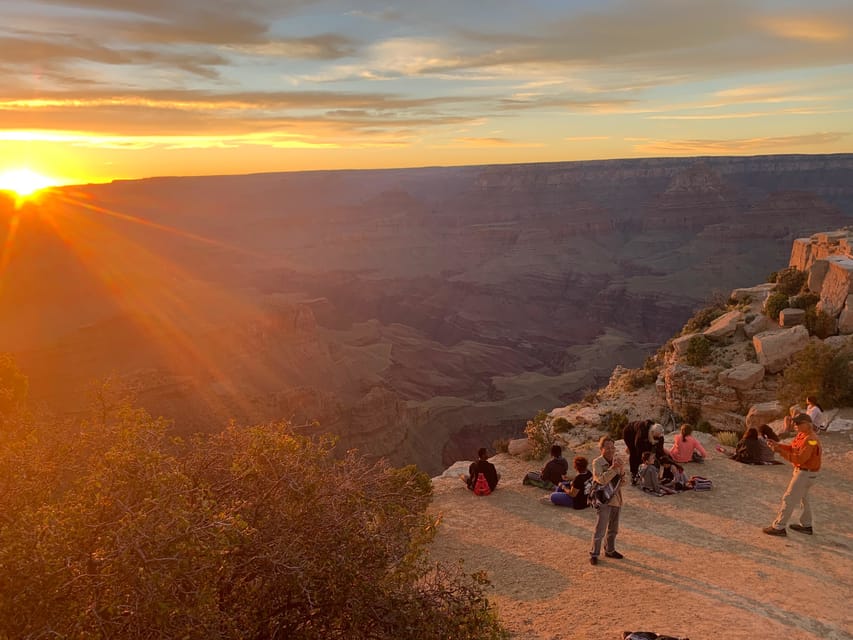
(815, 412)
(686, 446)
(481, 465)
(750, 450)
(765, 436)
(649, 476)
(573, 493)
(552, 474)
(672, 475)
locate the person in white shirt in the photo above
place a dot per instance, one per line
(815, 412)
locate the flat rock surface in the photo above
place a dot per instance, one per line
(696, 564)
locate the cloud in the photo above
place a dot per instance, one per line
(737, 146)
(326, 46)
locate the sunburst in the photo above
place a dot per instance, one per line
(24, 183)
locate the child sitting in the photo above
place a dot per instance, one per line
(672, 475)
(649, 481)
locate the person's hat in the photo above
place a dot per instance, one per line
(802, 417)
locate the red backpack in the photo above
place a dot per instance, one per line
(481, 486)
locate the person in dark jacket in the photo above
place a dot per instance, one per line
(482, 465)
(749, 449)
(630, 434)
(556, 468)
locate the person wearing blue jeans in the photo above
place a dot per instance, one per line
(607, 468)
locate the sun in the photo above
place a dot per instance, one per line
(24, 182)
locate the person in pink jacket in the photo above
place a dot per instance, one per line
(684, 445)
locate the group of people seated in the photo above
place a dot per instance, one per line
(753, 448)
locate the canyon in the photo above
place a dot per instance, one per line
(414, 313)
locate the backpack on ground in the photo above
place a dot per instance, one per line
(699, 483)
(481, 486)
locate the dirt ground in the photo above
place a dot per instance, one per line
(696, 564)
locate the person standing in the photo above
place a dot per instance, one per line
(607, 468)
(804, 453)
(634, 431)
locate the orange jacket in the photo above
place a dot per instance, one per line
(804, 452)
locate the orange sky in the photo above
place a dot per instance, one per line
(101, 89)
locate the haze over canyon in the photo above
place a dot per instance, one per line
(417, 313)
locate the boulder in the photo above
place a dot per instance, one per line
(791, 317)
(758, 293)
(817, 272)
(758, 324)
(837, 285)
(845, 322)
(519, 447)
(774, 349)
(764, 413)
(724, 326)
(840, 424)
(682, 343)
(744, 376)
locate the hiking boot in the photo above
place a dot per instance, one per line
(593, 560)
(614, 554)
(773, 531)
(798, 527)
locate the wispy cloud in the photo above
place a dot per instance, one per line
(738, 146)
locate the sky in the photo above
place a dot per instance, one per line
(95, 90)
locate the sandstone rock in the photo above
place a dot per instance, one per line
(817, 273)
(763, 413)
(744, 376)
(758, 293)
(519, 447)
(774, 349)
(758, 324)
(791, 317)
(837, 285)
(588, 416)
(839, 342)
(840, 424)
(845, 322)
(724, 326)
(801, 253)
(682, 343)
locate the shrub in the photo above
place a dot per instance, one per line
(613, 422)
(703, 318)
(728, 438)
(540, 433)
(774, 304)
(254, 533)
(561, 425)
(590, 396)
(634, 379)
(698, 351)
(804, 300)
(820, 323)
(790, 281)
(703, 426)
(820, 371)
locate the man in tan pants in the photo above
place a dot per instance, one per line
(804, 452)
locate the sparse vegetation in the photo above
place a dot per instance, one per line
(613, 422)
(540, 433)
(703, 318)
(634, 379)
(789, 281)
(820, 323)
(111, 530)
(703, 426)
(698, 351)
(590, 396)
(821, 371)
(561, 425)
(774, 304)
(728, 438)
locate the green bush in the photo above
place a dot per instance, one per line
(774, 304)
(561, 425)
(806, 300)
(820, 323)
(703, 318)
(820, 371)
(540, 432)
(790, 281)
(698, 351)
(613, 422)
(634, 379)
(111, 530)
